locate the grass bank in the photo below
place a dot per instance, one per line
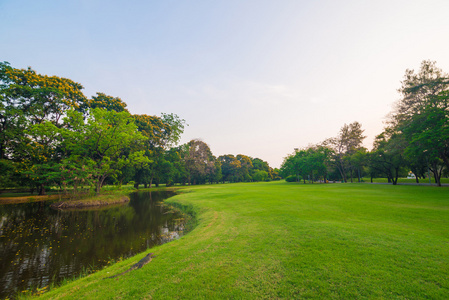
(25, 197)
(110, 195)
(94, 201)
(288, 240)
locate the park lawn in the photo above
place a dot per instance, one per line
(289, 240)
(423, 181)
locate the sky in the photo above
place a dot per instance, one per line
(258, 78)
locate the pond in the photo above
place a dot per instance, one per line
(40, 246)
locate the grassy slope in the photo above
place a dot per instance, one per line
(279, 240)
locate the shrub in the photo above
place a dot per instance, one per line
(291, 178)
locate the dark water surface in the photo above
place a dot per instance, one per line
(40, 245)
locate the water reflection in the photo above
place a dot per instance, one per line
(39, 245)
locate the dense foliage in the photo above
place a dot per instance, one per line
(415, 141)
(51, 134)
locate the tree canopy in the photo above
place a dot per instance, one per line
(51, 134)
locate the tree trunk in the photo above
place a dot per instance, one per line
(395, 178)
(445, 160)
(100, 184)
(436, 174)
(42, 190)
(342, 172)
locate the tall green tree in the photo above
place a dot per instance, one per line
(387, 156)
(298, 164)
(230, 167)
(344, 145)
(260, 165)
(417, 88)
(162, 133)
(30, 104)
(103, 140)
(422, 117)
(246, 165)
(175, 156)
(359, 160)
(199, 162)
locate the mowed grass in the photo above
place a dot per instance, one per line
(423, 181)
(287, 240)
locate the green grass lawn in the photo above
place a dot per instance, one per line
(403, 180)
(288, 240)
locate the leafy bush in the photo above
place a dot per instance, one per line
(291, 178)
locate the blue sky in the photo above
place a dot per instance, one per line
(258, 78)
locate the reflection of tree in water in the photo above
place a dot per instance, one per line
(38, 244)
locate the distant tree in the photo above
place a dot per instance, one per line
(318, 161)
(344, 145)
(387, 156)
(245, 167)
(162, 133)
(175, 156)
(275, 174)
(199, 162)
(260, 175)
(259, 164)
(217, 174)
(288, 168)
(154, 129)
(359, 160)
(229, 167)
(297, 164)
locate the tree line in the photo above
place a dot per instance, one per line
(51, 134)
(415, 139)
